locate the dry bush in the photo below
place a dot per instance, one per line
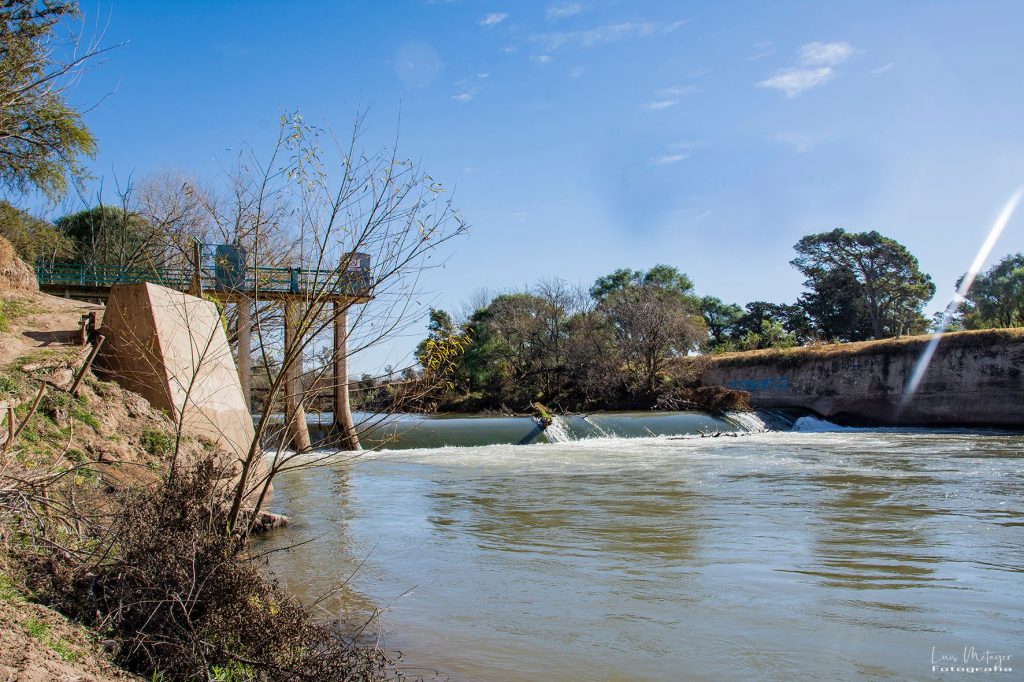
(177, 596)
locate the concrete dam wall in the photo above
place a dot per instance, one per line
(975, 379)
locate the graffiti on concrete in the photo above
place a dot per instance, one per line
(759, 385)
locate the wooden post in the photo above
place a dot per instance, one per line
(294, 414)
(243, 332)
(343, 425)
(196, 287)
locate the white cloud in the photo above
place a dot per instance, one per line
(603, 35)
(677, 91)
(482, 76)
(795, 81)
(576, 71)
(801, 141)
(825, 54)
(816, 62)
(666, 98)
(674, 153)
(667, 159)
(541, 58)
(565, 10)
(764, 49)
(659, 104)
(466, 92)
(883, 68)
(493, 19)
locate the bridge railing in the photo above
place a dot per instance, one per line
(355, 281)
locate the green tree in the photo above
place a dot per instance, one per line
(888, 281)
(996, 299)
(654, 318)
(112, 237)
(769, 334)
(664, 277)
(721, 319)
(43, 140)
(836, 308)
(32, 238)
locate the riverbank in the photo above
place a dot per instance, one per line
(116, 554)
(974, 379)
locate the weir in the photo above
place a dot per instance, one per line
(221, 272)
(406, 431)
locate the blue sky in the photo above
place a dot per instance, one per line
(581, 136)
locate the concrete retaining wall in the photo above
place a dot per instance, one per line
(974, 379)
(171, 348)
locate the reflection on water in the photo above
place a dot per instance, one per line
(773, 556)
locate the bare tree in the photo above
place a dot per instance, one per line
(367, 224)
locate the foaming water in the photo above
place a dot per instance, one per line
(833, 554)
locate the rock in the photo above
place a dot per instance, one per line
(15, 274)
(266, 521)
(62, 377)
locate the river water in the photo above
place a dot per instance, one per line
(820, 553)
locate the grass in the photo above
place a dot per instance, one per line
(39, 630)
(8, 592)
(232, 672)
(11, 310)
(156, 442)
(65, 650)
(36, 629)
(905, 344)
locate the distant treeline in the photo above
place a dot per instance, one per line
(634, 339)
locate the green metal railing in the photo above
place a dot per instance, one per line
(353, 282)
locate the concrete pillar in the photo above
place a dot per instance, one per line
(343, 424)
(243, 332)
(294, 414)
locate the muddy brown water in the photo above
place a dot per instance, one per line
(817, 554)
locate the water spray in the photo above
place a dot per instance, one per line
(960, 296)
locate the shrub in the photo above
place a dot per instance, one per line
(183, 601)
(156, 442)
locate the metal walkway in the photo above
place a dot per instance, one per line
(217, 278)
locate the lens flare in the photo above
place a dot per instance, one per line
(960, 296)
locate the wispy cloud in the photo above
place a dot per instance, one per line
(659, 104)
(466, 90)
(603, 35)
(666, 98)
(540, 58)
(825, 54)
(793, 82)
(667, 159)
(674, 153)
(677, 91)
(493, 19)
(763, 49)
(563, 10)
(576, 71)
(815, 69)
(801, 141)
(883, 68)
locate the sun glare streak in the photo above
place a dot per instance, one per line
(960, 295)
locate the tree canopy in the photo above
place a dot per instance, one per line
(32, 238)
(878, 277)
(996, 299)
(661, 276)
(43, 140)
(108, 236)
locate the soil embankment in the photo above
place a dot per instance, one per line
(975, 379)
